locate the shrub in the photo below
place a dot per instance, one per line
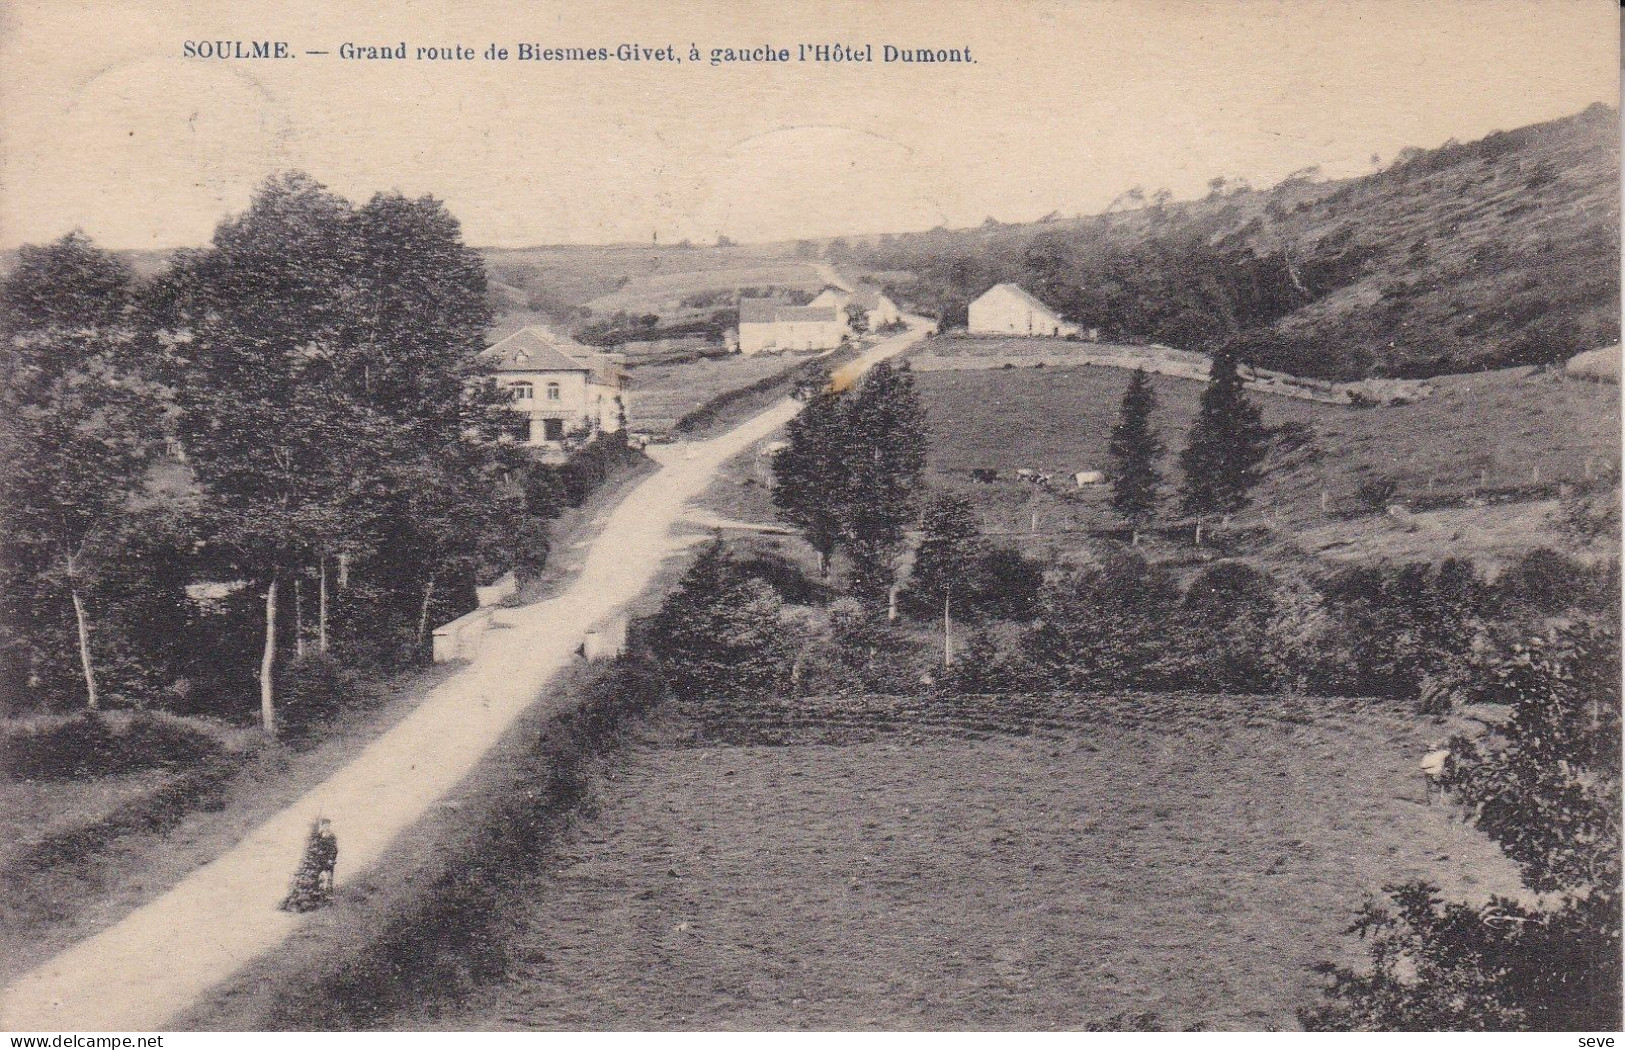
(92, 744)
(1106, 624)
(1226, 617)
(1377, 493)
(1545, 786)
(316, 689)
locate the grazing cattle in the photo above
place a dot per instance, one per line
(1042, 479)
(1089, 477)
(1026, 474)
(984, 475)
(1434, 766)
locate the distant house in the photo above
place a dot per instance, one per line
(878, 310)
(1008, 309)
(768, 324)
(563, 388)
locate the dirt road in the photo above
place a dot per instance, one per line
(146, 969)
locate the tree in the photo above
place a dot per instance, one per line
(809, 473)
(947, 561)
(1135, 449)
(79, 430)
(719, 634)
(884, 457)
(850, 470)
(292, 465)
(1226, 448)
(857, 319)
(1545, 785)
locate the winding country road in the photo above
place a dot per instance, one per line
(148, 968)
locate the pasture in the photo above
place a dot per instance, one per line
(661, 394)
(1005, 862)
(1515, 436)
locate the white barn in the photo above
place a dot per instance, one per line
(565, 389)
(767, 324)
(1008, 309)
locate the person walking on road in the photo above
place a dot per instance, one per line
(313, 881)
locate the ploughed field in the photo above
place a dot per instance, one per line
(1000, 862)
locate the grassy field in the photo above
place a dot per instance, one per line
(1185, 856)
(1512, 435)
(663, 393)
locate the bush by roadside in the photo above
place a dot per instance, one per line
(93, 743)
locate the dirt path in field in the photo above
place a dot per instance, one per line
(138, 974)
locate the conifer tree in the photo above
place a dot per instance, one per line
(809, 474)
(1226, 448)
(884, 456)
(1135, 449)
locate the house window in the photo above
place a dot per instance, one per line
(523, 391)
(552, 391)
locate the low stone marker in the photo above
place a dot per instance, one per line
(460, 639)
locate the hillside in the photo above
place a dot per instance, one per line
(1494, 253)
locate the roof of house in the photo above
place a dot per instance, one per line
(773, 311)
(1023, 294)
(536, 349)
(868, 298)
(865, 298)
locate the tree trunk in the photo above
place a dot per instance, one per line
(423, 611)
(268, 663)
(92, 699)
(891, 604)
(947, 627)
(298, 618)
(1198, 532)
(321, 610)
(1134, 537)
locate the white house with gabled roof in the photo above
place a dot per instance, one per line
(566, 390)
(878, 309)
(1009, 309)
(768, 324)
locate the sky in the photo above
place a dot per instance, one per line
(106, 125)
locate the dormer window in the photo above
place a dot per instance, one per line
(552, 391)
(523, 391)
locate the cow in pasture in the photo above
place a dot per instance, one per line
(1085, 478)
(1026, 474)
(984, 475)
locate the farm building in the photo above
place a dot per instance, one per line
(767, 324)
(1008, 309)
(565, 389)
(877, 309)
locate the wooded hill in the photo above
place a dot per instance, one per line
(1486, 254)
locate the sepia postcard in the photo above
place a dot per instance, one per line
(809, 515)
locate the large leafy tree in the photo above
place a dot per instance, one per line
(292, 465)
(1135, 448)
(1545, 785)
(80, 428)
(1224, 455)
